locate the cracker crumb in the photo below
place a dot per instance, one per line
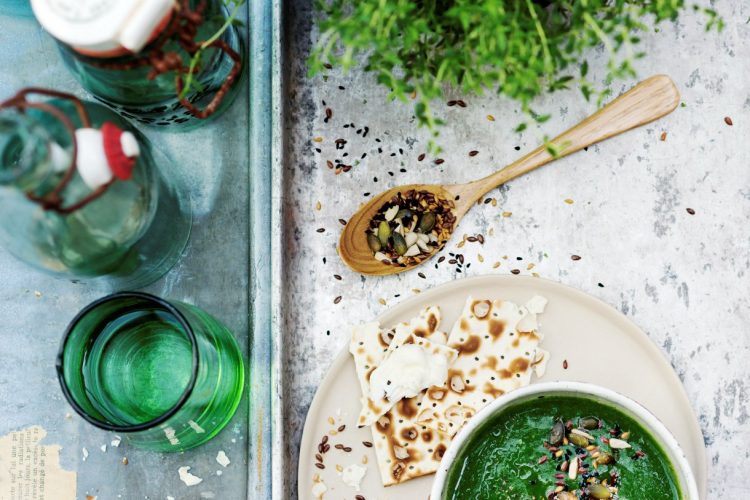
(188, 478)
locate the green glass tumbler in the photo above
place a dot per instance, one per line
(165, 375)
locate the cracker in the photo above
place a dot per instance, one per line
(498, 344)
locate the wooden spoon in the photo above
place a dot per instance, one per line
(647, 101)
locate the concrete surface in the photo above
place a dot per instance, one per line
(682, 278)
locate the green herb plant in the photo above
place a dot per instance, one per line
(191, 83)
(516, 48)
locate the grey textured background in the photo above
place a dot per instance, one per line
(682, 278)
(213, 274)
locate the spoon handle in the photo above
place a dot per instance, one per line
(644, 103)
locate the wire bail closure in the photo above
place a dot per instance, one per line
(53, 200)
(183, 28)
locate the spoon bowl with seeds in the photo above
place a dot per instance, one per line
(405, 226)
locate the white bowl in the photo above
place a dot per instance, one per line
(685, 476)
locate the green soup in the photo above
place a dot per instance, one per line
(527, 451)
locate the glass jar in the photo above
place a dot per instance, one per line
(163, 63)
(122, 234)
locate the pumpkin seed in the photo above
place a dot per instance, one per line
(598, 491)
(384, 232)
(578, 440)
(399, 244)
(604, 459)
(374, 242)
(557, 433)
(426, 222)
(404, 212)
(589, 423)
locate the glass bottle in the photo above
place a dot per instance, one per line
(137, 56)
(65, 208)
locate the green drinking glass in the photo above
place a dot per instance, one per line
(166, 375)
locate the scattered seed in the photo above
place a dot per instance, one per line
(329, 114)
(329, 163)
(491, 118)
(728, 121)
(420, 157)
(341, 428)
(320, 466)
(367, 444)
(421, 275)
(461, 103)
(515, 271)
(575, 257)
(318, 206)
(318, 457)
(347, 449)
(337, 276)
(690, 211)
(337, 299)
(359, 497)
(507, 214)
(342, 222)
(473, 152)
(325, 438)
(452, 103)
(568, 201)
(321, 230)
(542, 459)
(565, 364)
(439, 161)
(663, 136)
(496, 265)
(318, 139)
(124, 460)
(382, 301)
(339, 446)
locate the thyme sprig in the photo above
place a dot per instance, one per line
(516, 48)
(191, 82)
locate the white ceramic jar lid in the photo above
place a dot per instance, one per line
(102, 25)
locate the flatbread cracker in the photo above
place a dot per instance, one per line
(373, 409)
(498, 344)
(370, 343)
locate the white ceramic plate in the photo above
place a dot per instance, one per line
(601, 347)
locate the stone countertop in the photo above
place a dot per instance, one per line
(681, 277)
(213, 274)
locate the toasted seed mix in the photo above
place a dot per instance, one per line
(410, 227)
